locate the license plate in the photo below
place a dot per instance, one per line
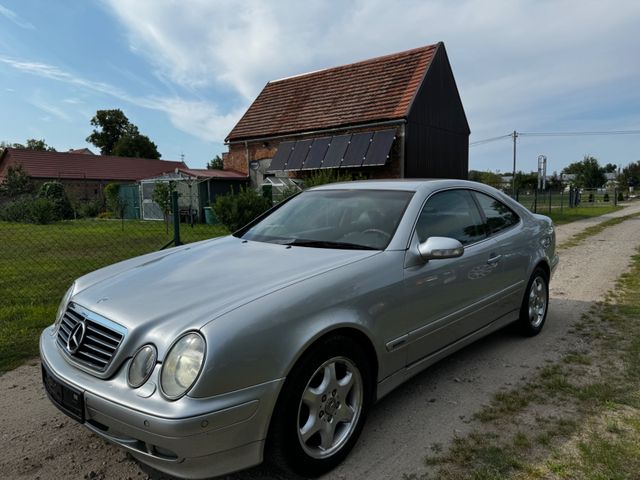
(66, 398)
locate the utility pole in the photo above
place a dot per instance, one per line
(513, 179)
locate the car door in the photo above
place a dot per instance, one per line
(507, 229)
(446, 300)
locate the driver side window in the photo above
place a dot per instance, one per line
(452, 213)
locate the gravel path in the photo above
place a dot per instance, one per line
(38, 442)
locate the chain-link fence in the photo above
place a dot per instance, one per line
(557, 200)
(39, 262)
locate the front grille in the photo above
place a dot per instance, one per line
(99, 343)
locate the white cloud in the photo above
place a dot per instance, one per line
(509, 56)
(196, 117)
(13, 17)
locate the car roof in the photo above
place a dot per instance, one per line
(412, 185)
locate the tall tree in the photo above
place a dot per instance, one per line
(136, 146)
(38, 144)
(215, 163)
(589, 173)
(115, 135)
(31, 144)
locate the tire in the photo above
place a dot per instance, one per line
(535, 304)
(322, 408)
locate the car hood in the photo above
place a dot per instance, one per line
(189, 286)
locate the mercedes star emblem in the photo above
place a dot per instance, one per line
(75, 338)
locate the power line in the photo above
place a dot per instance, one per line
(579, 134)
(556, 134)
(488, 140)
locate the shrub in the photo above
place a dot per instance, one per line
(89, 209)
(620, 197)
(605, 198)
(29, 210)
(112, 197)
(42, 211)
(54, 192)
(16, 211)
(590, 198)
(235, 210)
(107, 215)
(322, 177)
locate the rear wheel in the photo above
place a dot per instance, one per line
(535, 304)
(322, 408)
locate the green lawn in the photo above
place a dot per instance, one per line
(572, 214)
(39, 262)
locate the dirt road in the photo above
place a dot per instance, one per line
(39, 442)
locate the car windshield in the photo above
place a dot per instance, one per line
(347, 219)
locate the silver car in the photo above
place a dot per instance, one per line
(275, 341)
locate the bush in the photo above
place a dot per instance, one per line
(107, 215)
(29, 210)
(42, 211)
(605, 198)
(235, 210)
(16, 211)
(89, 209)
(322, 177)
(620, 197)
(590, 198)
(54, 192)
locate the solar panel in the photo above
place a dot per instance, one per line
(281, 156)
(336, 151)
(357, 149)
(300, 152)
(380, 147)
(317, 152)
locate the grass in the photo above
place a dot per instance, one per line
(569, 215)
(39, 262)
(578, 418)
(595, 229)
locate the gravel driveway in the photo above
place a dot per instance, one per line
(39, 442)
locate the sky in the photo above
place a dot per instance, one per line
(185, 71)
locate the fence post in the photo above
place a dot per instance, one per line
(176, 219)
(615, 196)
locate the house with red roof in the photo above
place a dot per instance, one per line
(396, 116)
(84, 175)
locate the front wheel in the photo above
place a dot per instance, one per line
(535, 304)
(322, 408)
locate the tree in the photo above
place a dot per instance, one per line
(136, 146)
(630, 175)
(161, 195)
(115, 135)
(215, 163)
(31, 144)
(488, 178)
(589, 173)
(16, 182)
(34, 144)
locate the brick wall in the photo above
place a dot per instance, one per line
(236, 158)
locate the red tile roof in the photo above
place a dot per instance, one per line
(378, 89)
(68, 165)
(213, 173)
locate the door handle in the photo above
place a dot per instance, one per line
(494, 259)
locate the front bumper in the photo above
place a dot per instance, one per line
(191, 437)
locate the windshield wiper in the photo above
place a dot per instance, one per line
(300, 242)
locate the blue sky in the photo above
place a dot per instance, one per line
(185, 71)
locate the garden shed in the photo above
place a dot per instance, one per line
(197, 188)
(396, 116)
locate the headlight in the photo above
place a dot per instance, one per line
(141, 366)
(182, 365)
(63, 304)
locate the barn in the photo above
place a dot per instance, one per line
(395, 116)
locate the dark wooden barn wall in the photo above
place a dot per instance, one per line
(437, 134)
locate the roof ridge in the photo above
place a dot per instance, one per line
(359, 62)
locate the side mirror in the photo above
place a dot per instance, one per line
(440, 247)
